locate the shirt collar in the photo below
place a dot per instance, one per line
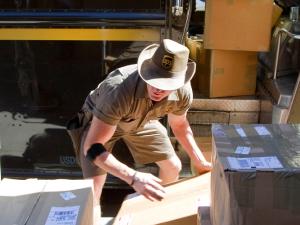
(142, 92)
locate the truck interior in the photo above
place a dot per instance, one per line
(53, 53)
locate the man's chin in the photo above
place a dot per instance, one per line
(156, 99)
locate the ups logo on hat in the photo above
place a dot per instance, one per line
(167, 61)
(168, 109)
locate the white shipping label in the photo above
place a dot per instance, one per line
(262, 130)
(242, 150)
(63, 215)
(124, 220)
(67, 195)
(254, 163)
(241, 132)
(203, 201)
(218, 132)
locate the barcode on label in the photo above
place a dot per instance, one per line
(244, 163)
(64, 213)
(258, 163)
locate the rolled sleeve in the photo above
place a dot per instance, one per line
(186, 104)
(110, 105)
(99, 115)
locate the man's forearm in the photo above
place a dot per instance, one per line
(184, 135)
(110, 164)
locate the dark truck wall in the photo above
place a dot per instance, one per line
(44, 83)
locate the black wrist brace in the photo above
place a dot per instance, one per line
(94, 151)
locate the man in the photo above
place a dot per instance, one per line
(128, 105)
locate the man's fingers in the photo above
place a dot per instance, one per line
(157, 186)
(155, 178)
(149, 197)
(158, 195)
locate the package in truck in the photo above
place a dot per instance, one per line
(255, 175)
(223, 73)
(238, 25)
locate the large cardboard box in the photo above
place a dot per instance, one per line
(179, 207)
(277, 11)
(222, 73)
(49, 202)
(243, 25)
(255, 174)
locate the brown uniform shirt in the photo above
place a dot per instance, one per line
(122, 99)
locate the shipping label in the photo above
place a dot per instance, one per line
(262, 130)
(254, 163)
(124, 220)
(242, 150)
(63, 215)
(67, 195)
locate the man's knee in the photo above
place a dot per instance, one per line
(177, 166)
(172, 165)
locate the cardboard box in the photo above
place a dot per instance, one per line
(255, 175)
(277, 11)
(222, 73)
(49, 202)
(203, 215)
(179, 207)
(238, 25)
(205, 145)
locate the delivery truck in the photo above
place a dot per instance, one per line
(53, 53)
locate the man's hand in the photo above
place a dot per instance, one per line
(204, 167)
(146, 184)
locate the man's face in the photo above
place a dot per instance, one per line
(157, 94)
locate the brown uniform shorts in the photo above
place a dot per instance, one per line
(147, 145)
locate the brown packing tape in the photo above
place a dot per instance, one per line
(249, 86)
(253, 2)
(261, 48)
(230, 2)
(207, 23)
(238, 48)
(209, 91)
(252, 57)
(251, 71)
(217, 71)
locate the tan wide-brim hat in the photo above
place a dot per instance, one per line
(166, 66)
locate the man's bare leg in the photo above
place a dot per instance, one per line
(98, 186)
(169, 169)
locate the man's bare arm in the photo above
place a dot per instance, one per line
(183, 132)
(145, 184)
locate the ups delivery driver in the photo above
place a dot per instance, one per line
(128, 105)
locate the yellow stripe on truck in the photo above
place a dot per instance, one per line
(70, 34)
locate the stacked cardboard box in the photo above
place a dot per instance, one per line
(179, 207)
(222, 73)
(255, 176)
(234, 33)
(49, 202)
